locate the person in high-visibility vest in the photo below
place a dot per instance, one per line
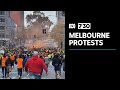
(12, 57)
(50, 56)
(8, 64)
(4, 70)
(19, 65)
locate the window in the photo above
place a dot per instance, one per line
(34, 36)
(2, 19)
(2, 12)
(2, 35)
(44, 31)
(2, 27)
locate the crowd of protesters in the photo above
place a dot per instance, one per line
(32, 61)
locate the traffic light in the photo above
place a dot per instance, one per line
(44, 31)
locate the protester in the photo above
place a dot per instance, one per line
(9, 64)
(34, 66)
(19, 66)
(13, 60)
(31, 61)
(4, 70)
(46, 59)
(57, 66)
(25, 60)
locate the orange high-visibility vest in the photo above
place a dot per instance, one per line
(19, 63)
(3, 61)
(12, 57)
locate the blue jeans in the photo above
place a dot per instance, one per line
(34, 76)
(4, 71)
(20, 71)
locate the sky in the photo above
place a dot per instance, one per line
(50, 14)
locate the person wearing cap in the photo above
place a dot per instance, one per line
(34, 66)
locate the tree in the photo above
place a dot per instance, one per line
(29, 18)
(38, 13)
(38, 18)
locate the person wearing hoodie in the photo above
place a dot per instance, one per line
(57, 65)
(34, 66)
(8, 64)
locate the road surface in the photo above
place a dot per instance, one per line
(51, 73)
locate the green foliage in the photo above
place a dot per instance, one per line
(39, 18)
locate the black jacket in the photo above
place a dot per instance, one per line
(56, 63)
(8, 62)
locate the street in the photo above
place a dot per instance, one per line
(51, 73)
(24, 32)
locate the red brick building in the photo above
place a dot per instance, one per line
(18, 17)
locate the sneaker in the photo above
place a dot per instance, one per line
(3, 76)
(19, 77)
(8, 75)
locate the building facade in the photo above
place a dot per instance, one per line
(18, 18)
(61, 23)
(7, 29)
